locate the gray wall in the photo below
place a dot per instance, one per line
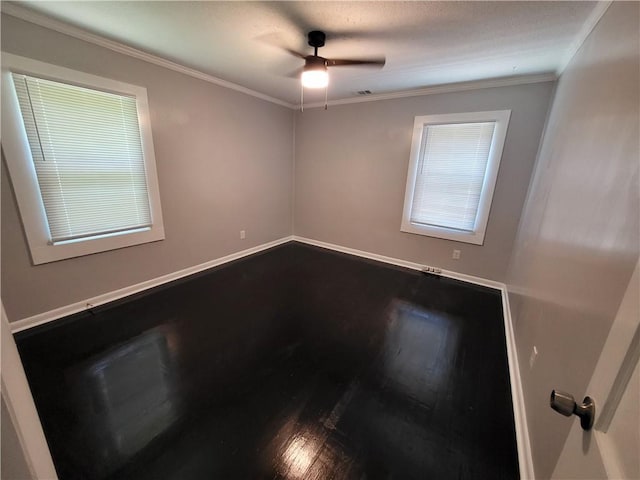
(350, 173)
(577, 244)
(224, 163)
(351, 169)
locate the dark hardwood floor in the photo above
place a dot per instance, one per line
(296, 363)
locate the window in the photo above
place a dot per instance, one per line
(80, 156)
(452, 174)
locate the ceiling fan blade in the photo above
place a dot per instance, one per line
(369, 62)
(294, 53)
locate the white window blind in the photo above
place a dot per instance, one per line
(450, 176)
(88, 157)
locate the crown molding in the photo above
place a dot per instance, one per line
(28, 15)
(444, 88)
(36, 18)
(31, 16)
(596, 14)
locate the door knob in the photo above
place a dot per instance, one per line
(565, 404)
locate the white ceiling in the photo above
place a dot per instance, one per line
(425, 43)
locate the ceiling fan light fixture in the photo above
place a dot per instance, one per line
(315, 78)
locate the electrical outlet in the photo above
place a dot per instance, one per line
(433, 270)
(456, 255)
(533, 357)
(243, 234)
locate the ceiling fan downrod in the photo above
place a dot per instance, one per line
(316, 40)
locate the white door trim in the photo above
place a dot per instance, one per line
(22, 410)
(620, 354)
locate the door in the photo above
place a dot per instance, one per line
(610, 449)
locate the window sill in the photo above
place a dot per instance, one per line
(45, 253)
(475, 238)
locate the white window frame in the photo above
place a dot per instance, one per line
(476, 236)
(22, 170)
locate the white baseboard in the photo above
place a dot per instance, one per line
(522, 432)
(92, 302)
(525, 461)
(401, 263)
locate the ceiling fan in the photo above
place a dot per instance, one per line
(315, 74)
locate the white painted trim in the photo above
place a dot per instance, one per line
(608, 455)
(359, 253)
(596, 14)
(22, 410)
(81, 34)
(522, 433)
(399, 262)
(23, 173)
(55, 314)
(445, 88)
(463, 277)
(494, 156)
(525, 460)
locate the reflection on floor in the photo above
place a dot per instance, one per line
(414, 384)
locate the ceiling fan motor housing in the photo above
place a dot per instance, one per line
(317, 38)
